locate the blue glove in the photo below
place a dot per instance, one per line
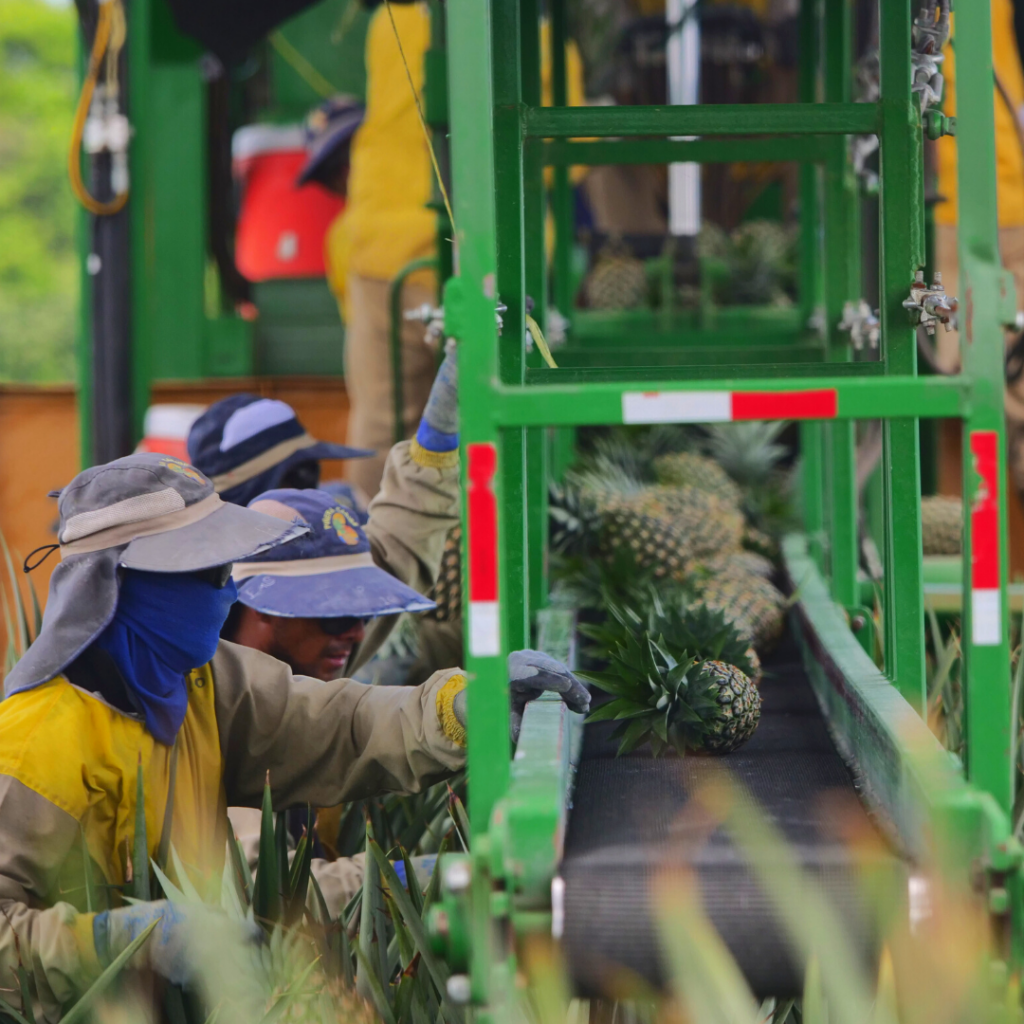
(170, 949)
(439, 428)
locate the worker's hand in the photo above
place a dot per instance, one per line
(170, 949)
(442, 410)
(531, 673)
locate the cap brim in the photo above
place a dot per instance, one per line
(227, 535)
(329, 450)
(326, 146)
(363, 593)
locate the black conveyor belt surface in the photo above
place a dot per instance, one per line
(628, 821)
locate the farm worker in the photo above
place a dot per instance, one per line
(408, 522)
(1008, 99)
(385, 225)
(247, 445)
(329, 129)
(128, 674)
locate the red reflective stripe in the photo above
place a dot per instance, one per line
(785, 405)
(483, 522)
(985, 511)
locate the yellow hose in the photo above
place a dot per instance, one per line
(99, 48)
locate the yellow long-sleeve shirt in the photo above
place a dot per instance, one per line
(1009, 159)
(386, 222)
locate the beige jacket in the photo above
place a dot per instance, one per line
(68, 782)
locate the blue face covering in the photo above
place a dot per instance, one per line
(165, 624)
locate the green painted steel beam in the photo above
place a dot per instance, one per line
(602, 403)
(797, 148)
(708, 119)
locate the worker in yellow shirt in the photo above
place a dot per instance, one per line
(385, 225)
(1008, 97)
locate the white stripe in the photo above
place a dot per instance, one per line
(303, 566)
(676, 406)
(986, 618)
(484, 634)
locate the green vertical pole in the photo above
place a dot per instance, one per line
(986, 647)
(537, 476)
(561, 198)
(840, 281)
(810, 267)
(812, 487)
(901, 213)
(508, 200)
(469, 302)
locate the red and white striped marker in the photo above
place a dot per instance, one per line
(726, 406)
(986, 611)
(482, 514)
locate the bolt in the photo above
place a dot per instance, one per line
(458, 989)
(457, 877)
(857, 623)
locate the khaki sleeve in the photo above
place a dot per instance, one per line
(54, 944)
(409, 520)
(324, 743)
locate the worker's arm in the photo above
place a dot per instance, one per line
(325, 743)
(418, 502)
(56, 944)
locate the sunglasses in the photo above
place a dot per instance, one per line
(343, 624)
(218, 576)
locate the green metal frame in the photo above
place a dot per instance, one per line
(501, 138)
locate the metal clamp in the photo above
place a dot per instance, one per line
(433, 317)
(862, 324)
(931, 306)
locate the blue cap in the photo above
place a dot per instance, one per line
(328, 127)
(246, 445)
(328, 572)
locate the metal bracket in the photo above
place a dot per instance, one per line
(929, 306)
(863, 326)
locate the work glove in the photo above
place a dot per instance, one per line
(442, 410)
(170, 950)
(531, 673)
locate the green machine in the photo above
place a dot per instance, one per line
(565, 838)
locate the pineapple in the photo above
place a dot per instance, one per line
(760, 543)
(749, 562)
(667, 697)
(942, 521)
(687, 469)
(711, 527)
(618, 280)
(684, 624)
(750, 603)
(447, 591)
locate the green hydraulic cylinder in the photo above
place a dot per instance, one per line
(982, 315)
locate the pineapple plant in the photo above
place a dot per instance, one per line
(447, 591)
(668, 698)
(942, 521)
(688, 469)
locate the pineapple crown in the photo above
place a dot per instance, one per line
(575, 520)
(601, 582)
(663, 696)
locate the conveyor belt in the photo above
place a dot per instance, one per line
(628, 821)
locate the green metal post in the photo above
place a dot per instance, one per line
(812, 487)
(841, 262)
(561, 197)
(901, 206)
(989, 727)
(810, 252)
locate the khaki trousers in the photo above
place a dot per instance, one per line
(368, 373)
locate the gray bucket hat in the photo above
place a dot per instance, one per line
(147, 511)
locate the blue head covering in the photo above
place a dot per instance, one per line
(165, 625)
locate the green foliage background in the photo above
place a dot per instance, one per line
(38, 261)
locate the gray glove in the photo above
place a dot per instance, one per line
(442, 410)
(531, 673)
(170, 949)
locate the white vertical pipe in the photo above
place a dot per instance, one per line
(683, 65)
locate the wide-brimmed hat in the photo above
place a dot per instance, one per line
(328, 127)
(147, 511)
(327, 573)
(246, 445)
